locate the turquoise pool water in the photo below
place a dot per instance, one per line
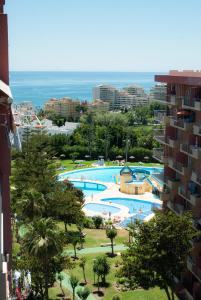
(138, 208)
(89, 188)
(102, 208)
(134, 205)
(106, 174)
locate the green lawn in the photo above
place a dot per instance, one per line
(95, 237)
(55, 293)
(111, 290)
(69, 165)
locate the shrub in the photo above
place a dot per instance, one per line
(98, 221)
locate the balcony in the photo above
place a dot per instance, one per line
(177, 208)
(161, 117)
(179, 167)
(162, 138)
(194, 266)
(197, 129)
(192, 197)
(183, 124)
(196, 177)
(173, 183)
(158, 154)
(167, 99)
(165, 194)
(159, 135)
(192, 103)
(192, 150)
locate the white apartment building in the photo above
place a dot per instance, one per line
(128, 97)
(158, 91)
(135, 90)
(105, 93)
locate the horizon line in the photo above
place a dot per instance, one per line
(89, 71)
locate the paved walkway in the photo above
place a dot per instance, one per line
(67, 286)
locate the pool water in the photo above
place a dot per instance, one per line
(135, 206)
(101, 208)
(106, 174)
(89, 188)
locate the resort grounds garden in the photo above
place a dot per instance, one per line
(50, 230)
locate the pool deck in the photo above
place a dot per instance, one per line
(112, 191)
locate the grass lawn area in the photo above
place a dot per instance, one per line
(95, 237)
(69, 165)
(55, 293)
(110, 291)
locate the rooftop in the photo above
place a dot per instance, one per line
(185, 77)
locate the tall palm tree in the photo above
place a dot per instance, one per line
(111, 234)
(31, 204)
(74, 283)
(43, 241)
(82, 264)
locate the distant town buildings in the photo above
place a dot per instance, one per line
(25, 118)
(126, 98)
(98, 106)
(158, 91)
(65, 107)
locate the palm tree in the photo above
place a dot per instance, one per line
(111, 234)
(31, 204)
(74, 238)
(74, 283)
(101, 268)
(82, 264)
(83, 293)
(60, 278)
(43, 241)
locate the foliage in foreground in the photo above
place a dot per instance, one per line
(158, 252)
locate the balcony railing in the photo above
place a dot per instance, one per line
(196, 176)
(192, 197)
(178, 208)
(184, 124)
(186, 148)
(158, 154)
(197, 128)
(167, 98)
(193, 264)
(192, 150)
(173, 183)
(193, 103)
(179, 167)
(161, 137)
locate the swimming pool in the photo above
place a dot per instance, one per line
(102, 208)
(89, 188)
(135, 206)
(105, 174)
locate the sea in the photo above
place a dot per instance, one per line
(39, 87)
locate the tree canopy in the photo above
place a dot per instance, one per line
(158, 251)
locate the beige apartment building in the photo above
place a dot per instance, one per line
(98, 106)
(65, 107)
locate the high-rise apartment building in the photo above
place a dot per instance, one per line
(180, 152)
(105, 93)
(128, 97)
(135, 90)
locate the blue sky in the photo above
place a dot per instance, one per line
(104, 35)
